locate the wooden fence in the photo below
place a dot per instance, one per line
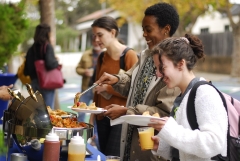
(218, 49)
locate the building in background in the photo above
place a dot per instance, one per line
(130, 33)
(215, 31)
(215, 22)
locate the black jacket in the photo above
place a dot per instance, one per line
(36, 52)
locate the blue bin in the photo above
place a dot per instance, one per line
(2, 158)
(6, 79)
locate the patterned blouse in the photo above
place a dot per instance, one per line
(142, 85)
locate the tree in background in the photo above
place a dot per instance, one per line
(188, 10)
(224, 6)
(47, 16)
(67, 14)
(13, 23)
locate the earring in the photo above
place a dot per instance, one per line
(165, 33)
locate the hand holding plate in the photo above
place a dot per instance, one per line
(158, 124)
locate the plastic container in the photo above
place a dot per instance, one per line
(76, 149)
(51, 151)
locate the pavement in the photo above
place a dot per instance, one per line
(225, 83)
(69, 61)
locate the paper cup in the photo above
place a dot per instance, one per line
(145, 134)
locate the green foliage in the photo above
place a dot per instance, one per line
(3, 147)
(79, 9)
(13, 23)
(67, 13)
(64, 34)
(28, 35)
(188, 10)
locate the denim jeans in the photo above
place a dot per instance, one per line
(48, 95)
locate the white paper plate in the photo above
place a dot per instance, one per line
(139, 120)
(97, 111)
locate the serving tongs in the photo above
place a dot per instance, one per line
(78, 95)
(94, 85)
(31, 92)
(13, 94)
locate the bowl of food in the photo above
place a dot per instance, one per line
(30, 120)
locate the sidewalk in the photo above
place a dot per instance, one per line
(213, 76)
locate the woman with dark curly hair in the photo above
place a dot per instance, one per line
(41, 49)
(145, 91)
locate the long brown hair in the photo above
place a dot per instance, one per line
(42, 34)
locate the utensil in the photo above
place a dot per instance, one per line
(94, 85)
(31, 93)
(14, 95)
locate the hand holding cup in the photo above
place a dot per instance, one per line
(145, 137)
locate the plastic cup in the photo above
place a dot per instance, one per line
(145, 134)
(112, 158)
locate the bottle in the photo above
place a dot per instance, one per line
(76, 149)
(51, 151)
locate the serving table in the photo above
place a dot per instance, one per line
(63, 156)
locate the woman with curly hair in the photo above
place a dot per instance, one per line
(178, 57)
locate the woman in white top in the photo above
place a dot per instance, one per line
(175, 59)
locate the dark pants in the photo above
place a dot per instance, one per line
(109, 137)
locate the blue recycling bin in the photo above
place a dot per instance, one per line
(6, 79)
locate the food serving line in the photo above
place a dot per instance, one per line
(27, 121)
(92, 153)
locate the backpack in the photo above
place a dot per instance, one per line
(20, 73)
(122, 57)
(232, 107)
(122, 63)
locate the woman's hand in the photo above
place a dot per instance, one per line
(155, 139)
(4, 95)
(107, 79)
(158, 124)
(114, 111)
(89, 72)
(99, 89)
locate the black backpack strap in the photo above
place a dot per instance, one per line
(101, 57)
(122, 57)
(191, 113)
